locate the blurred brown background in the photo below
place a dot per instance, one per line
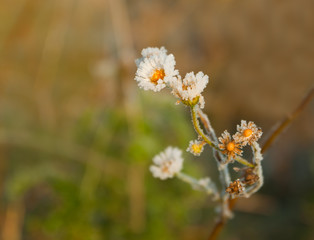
(68, 99)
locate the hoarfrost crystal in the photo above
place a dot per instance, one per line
(167, 163)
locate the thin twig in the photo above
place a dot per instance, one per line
(285, 123)
(221, 222)
(244, 162)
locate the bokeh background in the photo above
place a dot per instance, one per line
(77, 135)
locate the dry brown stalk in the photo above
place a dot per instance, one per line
(288, 120)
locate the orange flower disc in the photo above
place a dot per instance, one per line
(247, 132)
(158, 74)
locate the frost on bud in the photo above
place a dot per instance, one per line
(196, 147)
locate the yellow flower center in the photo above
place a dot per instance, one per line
(196, 148)
(247, 132)
(158, 74)
(165, 169)
(230, 146)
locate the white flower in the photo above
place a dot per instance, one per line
(156, 70)
(196, 147)
(190, 88)
(167, 163)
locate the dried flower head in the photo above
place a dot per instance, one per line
(167, 163)
(250, 177)
(190, 88)
(196, 147)
(228, 146)
(247, 133)
(156, 69)
(235, 188)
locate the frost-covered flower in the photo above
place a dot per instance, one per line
(235, 188)
(249, 176)
(196, 147)
(167, 163)
(248, 133)
(190, 88)
(228, 146)
(156, 69)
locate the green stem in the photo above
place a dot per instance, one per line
(199, 130)
(244, 162)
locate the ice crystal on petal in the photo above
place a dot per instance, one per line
(167, 163)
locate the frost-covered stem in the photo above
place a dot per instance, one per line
(226, 211)
(206, 123)
(210, 189)
(223, 169)
(186, 178)
(199, 130)
(224, 175)
(257, 158)
(221, 222)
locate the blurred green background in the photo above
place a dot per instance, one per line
(77, 135)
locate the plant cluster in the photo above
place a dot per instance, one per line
(156, 71)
